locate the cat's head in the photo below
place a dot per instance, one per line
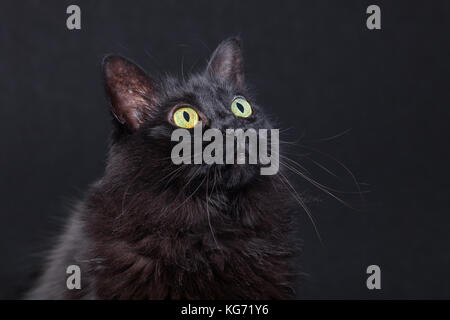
(146, 113)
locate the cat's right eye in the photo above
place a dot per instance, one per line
(185, 117)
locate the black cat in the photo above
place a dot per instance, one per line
(150, 229)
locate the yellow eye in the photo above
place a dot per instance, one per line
(185, 117)
(241, 108)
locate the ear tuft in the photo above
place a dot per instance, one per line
(133, 94)
(227, 63)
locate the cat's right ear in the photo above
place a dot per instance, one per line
(133, 95)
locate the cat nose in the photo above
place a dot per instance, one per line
(230, 123)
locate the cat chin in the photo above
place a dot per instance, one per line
(238, 176)
(225, 176)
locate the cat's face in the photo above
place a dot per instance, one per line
(147, 113)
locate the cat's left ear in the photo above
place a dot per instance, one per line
(227, 62)
(133, 94)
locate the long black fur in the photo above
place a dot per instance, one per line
(150, 229)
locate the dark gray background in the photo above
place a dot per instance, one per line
(316, 68)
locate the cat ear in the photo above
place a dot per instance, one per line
(133, 95)
(227, 63)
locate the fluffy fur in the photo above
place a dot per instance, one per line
(152, 230)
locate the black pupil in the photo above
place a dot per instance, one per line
(240, 107)
(186, 116)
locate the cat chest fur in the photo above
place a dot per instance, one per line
(235, 259)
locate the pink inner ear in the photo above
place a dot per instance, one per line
(131, 91)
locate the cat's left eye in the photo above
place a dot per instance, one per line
(241, 108)
(185, 117)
